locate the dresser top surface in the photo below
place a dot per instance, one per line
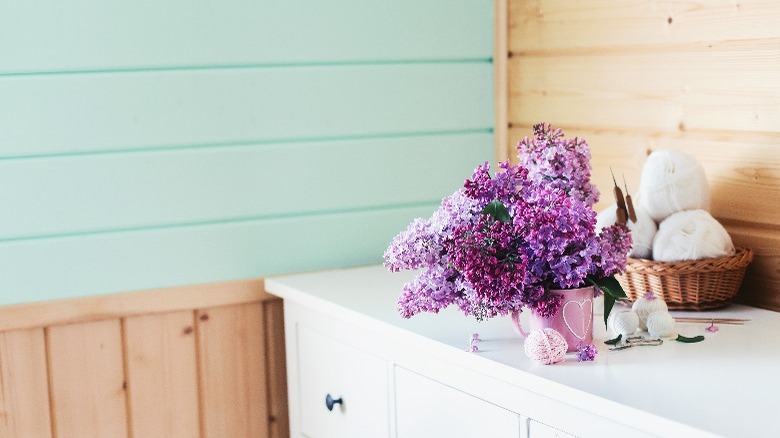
(728, 384)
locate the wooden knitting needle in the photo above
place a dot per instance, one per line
(733, 321)
(629, 202)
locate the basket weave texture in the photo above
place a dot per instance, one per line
(688, 285)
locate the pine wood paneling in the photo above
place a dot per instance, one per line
(24, 395)
(87, 381)
(500, 76)
(115, 371)
(701, 88)
(115, 306)
(564, 26)
(761, 286)
(738, 176)
(63, 36)
(121, 191)
(279, 424)
(632, 77)
(231, 347)
(162, 375)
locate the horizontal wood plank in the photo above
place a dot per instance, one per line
(128, 304)
(561, 26)
(47, 269)
(688, 90)
(65, 114)
(24, 389)
(87, 381)
(119, 191)
(61, 36)
(762, 279)
(738, 175)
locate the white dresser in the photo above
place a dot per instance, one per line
(390, 377)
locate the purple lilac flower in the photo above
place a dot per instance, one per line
(586, 352)
(614, 245)
(538, 234)
(558, 162)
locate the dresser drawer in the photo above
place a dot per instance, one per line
(541, 430)
(426, 408)
(330, 367)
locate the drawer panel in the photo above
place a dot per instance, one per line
(425, 408)
(540, 430)
(327, 366)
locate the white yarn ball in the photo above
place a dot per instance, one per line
(672, 181)
(644, 306)
(546, 346)
(691, 235)
(660, 324)
(642, 231)
(623, 322)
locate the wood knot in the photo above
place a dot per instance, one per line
(204, 317)
(669, 20)
(188, 330)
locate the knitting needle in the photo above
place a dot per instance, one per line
(710, 321)
(629, 201)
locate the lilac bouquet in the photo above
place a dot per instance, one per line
(502, 242)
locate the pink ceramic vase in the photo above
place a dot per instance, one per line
(574, 319)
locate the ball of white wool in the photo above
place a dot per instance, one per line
(642, 231)
(545, 346)
(672, 181)
(623, 322)
(645, 306)
(691, 235)
(660, 324)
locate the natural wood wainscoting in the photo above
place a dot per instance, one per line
(204, 360)
(635, 76)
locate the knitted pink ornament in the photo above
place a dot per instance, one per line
(545, 346)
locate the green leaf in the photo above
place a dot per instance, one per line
(609, 302)
(693, 340)
(614, 341)
(612, 290)
(609, 285)
(497, 211)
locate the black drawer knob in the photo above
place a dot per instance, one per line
(330, 401)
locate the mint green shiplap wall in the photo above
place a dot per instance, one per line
(148, 144)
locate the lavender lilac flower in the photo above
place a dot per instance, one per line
(586, 352)
(500, 243)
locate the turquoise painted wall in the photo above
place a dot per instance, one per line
(153, 143)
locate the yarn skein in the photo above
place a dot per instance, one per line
(660, 324)
(646, 305)
(623, 322)
(672, 181)
(546, 346)
(691, 235)
(642, 231)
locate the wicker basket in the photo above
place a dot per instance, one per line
(688, 285)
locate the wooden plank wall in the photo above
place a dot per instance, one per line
(155, 144)
(207, 361)
(636, 76)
